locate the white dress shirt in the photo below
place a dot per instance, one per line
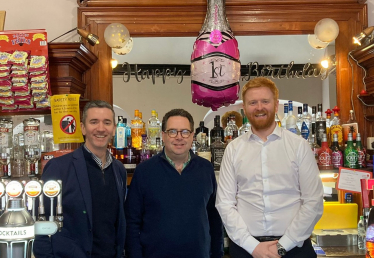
(269, 188)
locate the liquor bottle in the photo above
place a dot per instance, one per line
(144, 152)
(130, 159)
(361, 152)
(230, 128)
(6, 146)
(204, 150)
(370, 233)
(291, 120)
(324, 155)
(285, 111)
(314, 146)
(111, 149)
(277, 120)
(350, 126)
(350, 154)
(306, 123)
(127, 129)
(136, 130)
(217, 128)
(336, 127)
(154, 130)
(217, 149)
(201, 129)
(313, 120)
(328, 126)
(195, 145)
(337, 154)
(245, 127)
(143, 124)
(299, 121)
(235, 135)
(158, 148)
(361, 234)
(320, 125)
(119, 137)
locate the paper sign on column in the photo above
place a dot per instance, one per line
(349, 179)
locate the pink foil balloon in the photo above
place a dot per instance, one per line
(215, 65)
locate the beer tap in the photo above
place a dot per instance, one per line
(2, 197)
(41, 209)
(59, 217)
(33, 189)
(51, 189)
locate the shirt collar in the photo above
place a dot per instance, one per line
(109, 158)
(277, 133)
(173, 164)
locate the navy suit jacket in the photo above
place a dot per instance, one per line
(76, 238)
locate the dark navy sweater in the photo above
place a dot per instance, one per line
(172, 215)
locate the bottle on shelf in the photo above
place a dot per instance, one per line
(130, 156)
(361, 234)
(217, 149)
(320, 125)
(328, 113)
(350, 154)
(127, 129)
(350, 126)
(245, 127)
(324, 155)
(145, 153)
(195, 144)
(314, 146)
(361, 151)
(217, 128)
(201, 129)
(336, 127)
(119, 137)
(136, 130)
(291, 120)
(143, 124)
(305, 123)
(313, 120)
(337, 154)
(299, 121)
(158, 148)
(230, 128)
(277, 120)
(204, 150)
(153, 130)
(285, 111)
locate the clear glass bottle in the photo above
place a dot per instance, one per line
(31, 131)
(313, 120)
(361, 151)
(350, 154)
(6, 133)
(285, 111)
(230, 128)
(195, 145)
(144, 131)
(306, 123)
(144, 152)
(314, 146)
(136, 130)
(299, 121)
(245, 127)
(328, 113)
(324, 155)
(361, 234)
(204, 150)
(336, 127)
(217, 148)
(337, 154)
(158, 148)
(154, 130)
(350, 126)
(127, 129)
(291, 120)
(320, 125)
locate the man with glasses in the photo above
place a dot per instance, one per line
(170, 209)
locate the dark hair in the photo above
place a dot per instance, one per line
(177, 112)
(96, 104)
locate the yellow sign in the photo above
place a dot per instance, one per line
(65, 118)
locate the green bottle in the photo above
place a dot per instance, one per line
(350, 154)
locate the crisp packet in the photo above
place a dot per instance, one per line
(21, 93)
(6, 93)
(9, 107)
(20, 87)
(19, 73)
(20, 79)
(46, 102)
(5, 87)
(5, 83)
(39, 78)
(7, 101)
(23, 101)
(36, 92)
(19, 57)
(39, 85)
(4, 58)
(38, 63)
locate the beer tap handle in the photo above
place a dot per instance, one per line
(59, 217)
(51, 217)
(41, 209)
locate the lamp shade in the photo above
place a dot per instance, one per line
(116, 35)
(126, 49)
(326, 30)
(314, 42)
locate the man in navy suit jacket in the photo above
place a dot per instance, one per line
(93, 194)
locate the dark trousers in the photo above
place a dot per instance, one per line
(306, 251)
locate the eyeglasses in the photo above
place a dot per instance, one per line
(172, 133)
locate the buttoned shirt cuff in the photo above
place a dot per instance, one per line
(250, 244)
(288, 244)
